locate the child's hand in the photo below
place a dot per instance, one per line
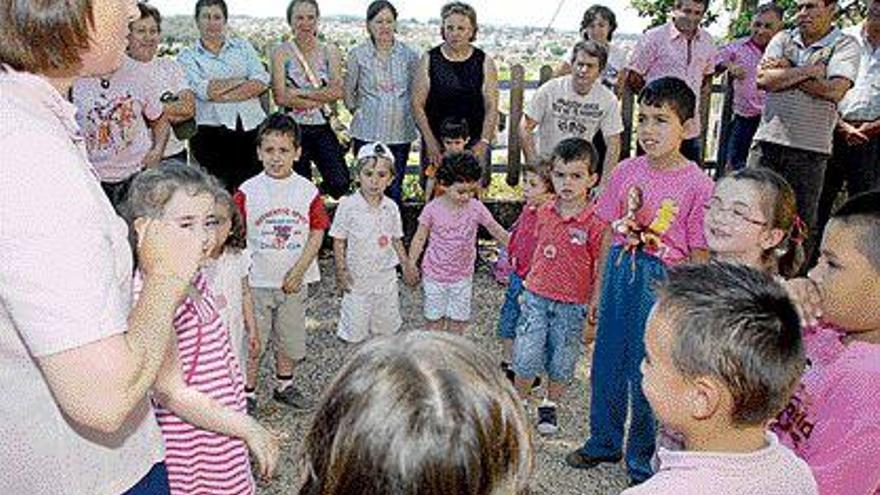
(264, 447)
(410, 274)
(166, 250)
(807, 299)
(292, 282)
(344, 281)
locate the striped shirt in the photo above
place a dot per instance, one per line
(200, 461)
(377, 91)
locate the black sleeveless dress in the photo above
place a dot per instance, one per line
(456, 91)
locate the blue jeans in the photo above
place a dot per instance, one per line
(154, 483)
(401, 156)
(510, 310)
(627, 298)
(319, 145)
(736, 149)
(548, 337)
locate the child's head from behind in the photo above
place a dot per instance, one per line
(752, 218)
(180, 194)
(418, 413)
(459, 174)
(666, 112)
(848, 272)
(537, 181)
(574, 169)
(723, 349)
(278, 145)
(230, 224)
(375, 169)
(454, 134)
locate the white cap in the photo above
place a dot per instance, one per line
(376, 150)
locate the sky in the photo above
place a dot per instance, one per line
(536, 13)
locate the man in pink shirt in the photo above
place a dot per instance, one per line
(681, 49)
(740, 59)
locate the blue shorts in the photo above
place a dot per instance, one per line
(154, 483)
(548, 338)
(510, 310)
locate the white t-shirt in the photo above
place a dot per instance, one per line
(64, 282)
(369, 232)
(169, 76)
(562, 113)
(225, 276)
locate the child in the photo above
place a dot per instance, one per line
(367, 245)
(537, 188)
(560, 281)
(420, 413)
(199, 393)
(654, 204)
(285, 222)
(723, 353)
(454, 137)
(831, 422)
(227, 274)
(451, 221)
(752, 219)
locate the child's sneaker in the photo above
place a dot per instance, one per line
(508, 371)
(547, 423)
(292, 397)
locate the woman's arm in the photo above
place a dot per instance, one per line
(333, 91)
(160, 131)
(351, 82)
(284, 95)
(420, 88)
(490, 105)
(181, 109)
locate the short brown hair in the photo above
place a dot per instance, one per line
(459, 8)
(543, 169)
(38, 37)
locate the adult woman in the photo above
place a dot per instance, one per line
(378, 78)
(228, 78)
(307, 80)
(76, 365)
(599, 24)
(457, 79)
(178, 99)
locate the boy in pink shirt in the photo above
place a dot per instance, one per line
(560, 281)
(654, 204)
(723, 353)
(832, 420)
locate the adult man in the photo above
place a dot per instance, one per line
(576, 105)
(806, 71)
(855, 158)
(679, 48)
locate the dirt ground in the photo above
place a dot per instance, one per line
(327, 354)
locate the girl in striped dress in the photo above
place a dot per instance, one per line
(199, 393)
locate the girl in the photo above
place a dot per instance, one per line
(451, 221)
(367, 245)
(199, 393)
(421, 413)
(227, 276)
(752, 219)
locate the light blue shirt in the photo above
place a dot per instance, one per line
(377, 91)
(237, 58)
(862, 101)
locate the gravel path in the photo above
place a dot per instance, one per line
(327, 354)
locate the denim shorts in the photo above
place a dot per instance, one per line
(510, 310)
(548, 337)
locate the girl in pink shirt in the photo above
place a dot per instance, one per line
(199, 392)
(449, 225)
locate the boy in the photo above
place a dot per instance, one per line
(831, 422)
(654, 206)
(285, 222)
(454, 136)
(367, 237)
(723, 353)
(560, 281)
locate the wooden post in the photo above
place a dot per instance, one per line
(517, 90)
(545, 75)
(705, 107)
(726, 120)
(626, 113)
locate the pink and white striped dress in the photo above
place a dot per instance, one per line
(200, 461)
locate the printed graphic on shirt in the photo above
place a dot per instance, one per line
(575, 117)
(638, 231)
(794, 420)
(577, 236)
(111, 126)
(282, 229)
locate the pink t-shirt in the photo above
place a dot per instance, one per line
(452, 243)
(748, 100)
(672, 205)
(523, 240)
(664, 52)
(832, 420)
(113, 114)
(773, 470)
(564, 258)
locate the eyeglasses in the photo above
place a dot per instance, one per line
(738, 211)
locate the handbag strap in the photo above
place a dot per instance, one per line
(310, 75)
